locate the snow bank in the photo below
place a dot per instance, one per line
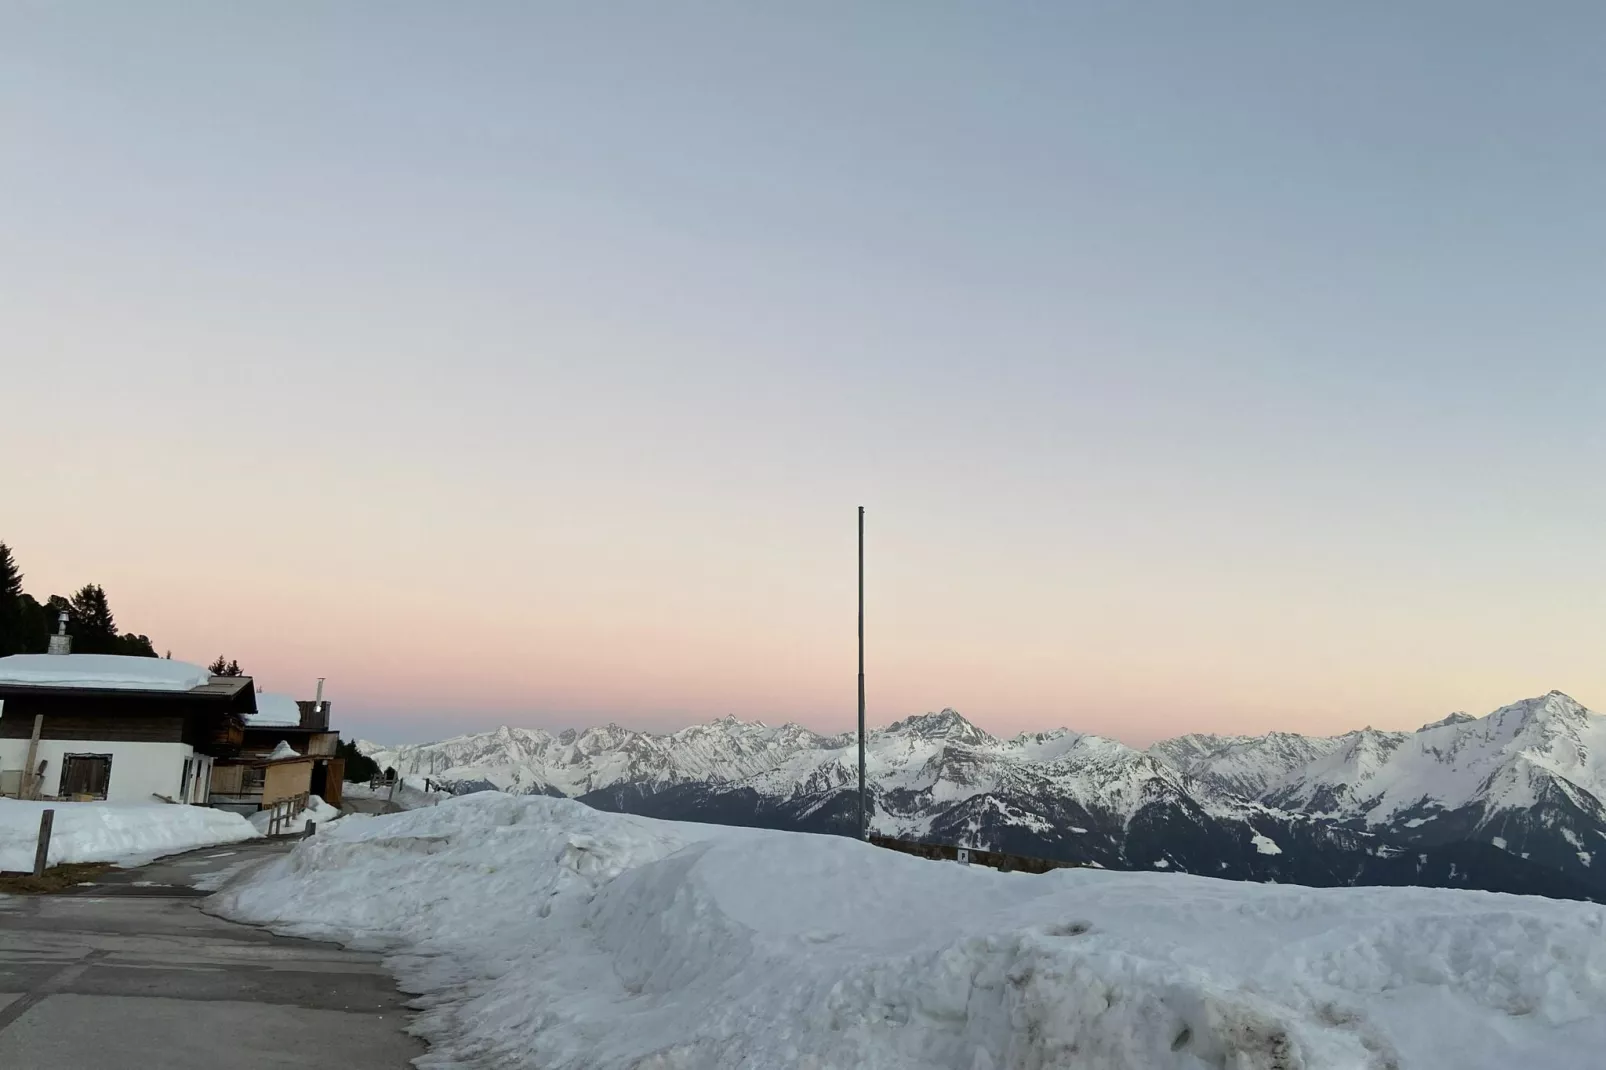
(106, 832)
(543, 933)
(283, 750)
(112, 671)
(317, 810)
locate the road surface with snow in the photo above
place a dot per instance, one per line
(133, 973)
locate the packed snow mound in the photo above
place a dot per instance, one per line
(317, 810)
(274, 711)
(110, 671)
(544, 933)
(107, 832)
(283, 750)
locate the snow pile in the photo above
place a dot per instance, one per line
(274, 711)
(317, 810)
(283, 750)
(110, 671)
(543, 933)
(105, 832)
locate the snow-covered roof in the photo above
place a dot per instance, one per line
(108, 671)
(274, 711)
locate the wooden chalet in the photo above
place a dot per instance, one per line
(122, 729)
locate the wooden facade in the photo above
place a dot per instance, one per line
(263, 783)
(146, 717)
(258, 742)
(287, 779)
(145, 728)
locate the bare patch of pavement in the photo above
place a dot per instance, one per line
(128, 971)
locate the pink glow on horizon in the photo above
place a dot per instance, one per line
(658, 654)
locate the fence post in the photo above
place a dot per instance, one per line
(312, 830)
(46, 821)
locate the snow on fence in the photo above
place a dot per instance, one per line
(294, 815)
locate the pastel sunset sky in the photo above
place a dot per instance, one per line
(1203, 367)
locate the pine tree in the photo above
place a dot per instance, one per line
(219, 667)
(36, 626)
(134, 646)
(92, 627)
(359, 766)
(13, 622)
(10, 575)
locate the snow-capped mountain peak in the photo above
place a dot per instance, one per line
(948, 724)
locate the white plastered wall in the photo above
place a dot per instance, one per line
(139, 772)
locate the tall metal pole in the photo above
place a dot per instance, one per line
(864, 825)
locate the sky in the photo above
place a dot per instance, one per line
(1218, 367)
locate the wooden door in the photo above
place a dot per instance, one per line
(86, 774)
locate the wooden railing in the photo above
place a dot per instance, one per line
(286, 810)
(1000, 860)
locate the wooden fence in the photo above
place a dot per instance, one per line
(282, 812)
(999, 860)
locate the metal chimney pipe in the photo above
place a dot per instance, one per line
(61, 642)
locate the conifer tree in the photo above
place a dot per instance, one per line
(13, 616)
(220, 667)
(92, 626)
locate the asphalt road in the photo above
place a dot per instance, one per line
(130, 973)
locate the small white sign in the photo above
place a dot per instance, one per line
(964, 857)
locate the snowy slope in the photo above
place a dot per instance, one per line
(1505, 761)
(544, 933)
(1243, 765)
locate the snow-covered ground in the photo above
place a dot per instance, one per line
(107, 832)
(410, 794)
(543, 933)
(317, 810)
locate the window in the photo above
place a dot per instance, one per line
(254, 779)
(86, 774)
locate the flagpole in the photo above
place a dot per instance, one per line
(864, 825)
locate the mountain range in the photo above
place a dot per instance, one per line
(1508, 802)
